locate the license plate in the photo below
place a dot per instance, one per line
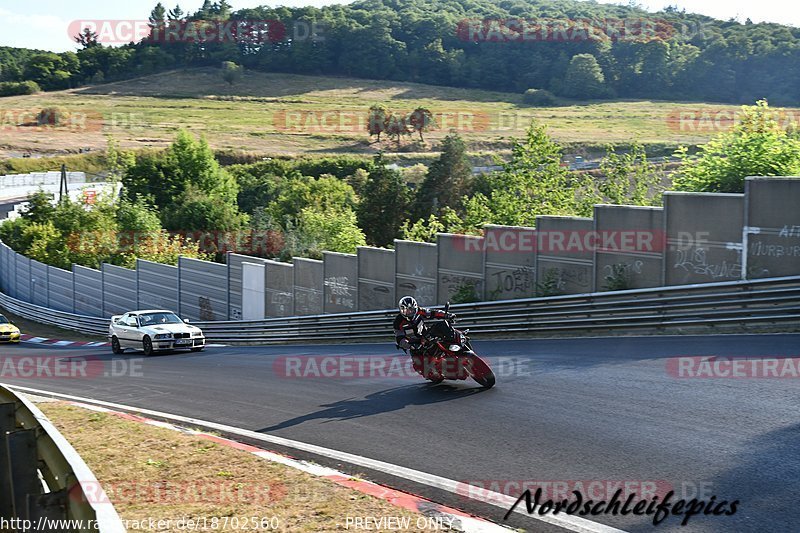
(183, 341)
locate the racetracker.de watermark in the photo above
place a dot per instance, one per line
(398, 366)
(515, 240)
(720, 367)
(67, 367)
(565, 30)
(179, 492)
(251, 242)
(708, 120)
(359, 121)
(500, 490)
(66, 120)
(253, 32)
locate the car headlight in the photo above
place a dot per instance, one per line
(163, 336)
(454, 347)
(197, 334)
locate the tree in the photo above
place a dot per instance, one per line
(421, 119)
(231, 72)
(396, 126)
(196, 210)
(584, 78)
(376, 120)
(534, 182)
(757, 146)
(157, 22)
(315, 231)
(186, 173)
(87, 38)
(384, 204)
(447, 180)
(629, 178)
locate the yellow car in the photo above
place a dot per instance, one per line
(8, 331)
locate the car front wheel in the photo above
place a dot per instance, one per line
(115, 346)
(147, 346)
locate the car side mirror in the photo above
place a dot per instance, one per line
(186, 320)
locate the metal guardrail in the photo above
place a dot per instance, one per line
(42, 477)
(763, 302)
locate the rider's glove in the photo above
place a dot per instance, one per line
(451, 316)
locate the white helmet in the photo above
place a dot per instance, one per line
(408, 306)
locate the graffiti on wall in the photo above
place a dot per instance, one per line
(695, 260)
(339, 292)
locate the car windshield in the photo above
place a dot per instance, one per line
(152, 319)
(3, 320)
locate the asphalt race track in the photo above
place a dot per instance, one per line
(568, 410)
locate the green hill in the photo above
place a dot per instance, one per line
(294, 114)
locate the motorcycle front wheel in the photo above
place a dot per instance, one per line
(481, 372)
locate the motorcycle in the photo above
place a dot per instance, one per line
(447, 353)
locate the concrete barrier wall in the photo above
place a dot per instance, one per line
(279, 289)
(376, 279)
(5, 268)
(460, 268)
(703, 237)
(253, 291)
(88, 291)
(234, 262)
(157, 286)
(203, 290)
(696, 238)
(510, 262)
(39, 284)
(629, 247)
(772, 221)
(309, 276)
(119, 286)
(341, 282)
(59, 289)
(23, 275)
(563, 265)
(416, 271)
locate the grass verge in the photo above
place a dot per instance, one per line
(154, 473)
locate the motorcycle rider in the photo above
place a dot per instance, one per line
(409, 325)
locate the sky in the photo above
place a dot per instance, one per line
(44, 24)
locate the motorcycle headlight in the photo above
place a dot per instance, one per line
(454, 347)
(162, 336)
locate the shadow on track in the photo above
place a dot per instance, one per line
(381, 402)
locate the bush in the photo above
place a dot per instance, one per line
(51, 116)
(619, 279)
(550, 284)
(15, 88)
(466, 293)
(539, 98)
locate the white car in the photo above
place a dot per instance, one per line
(153, 330)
